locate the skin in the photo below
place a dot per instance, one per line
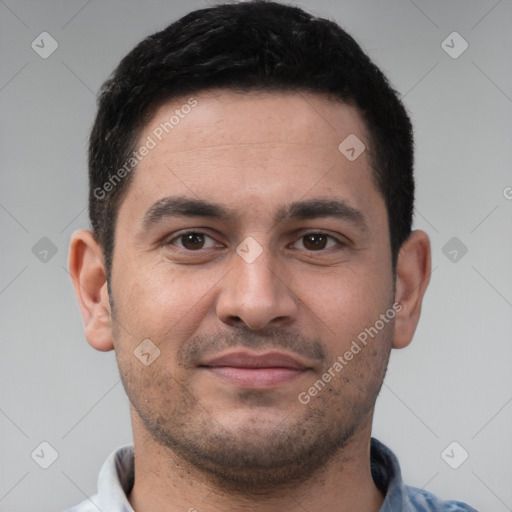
(206, 443)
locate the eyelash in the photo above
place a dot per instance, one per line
(339, 243)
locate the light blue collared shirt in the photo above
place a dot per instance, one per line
(116, 478)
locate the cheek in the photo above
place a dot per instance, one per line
(345, 301)
(161, 302)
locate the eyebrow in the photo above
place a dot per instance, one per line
(169, 207)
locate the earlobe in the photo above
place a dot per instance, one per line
(413, 276)
(87, 269)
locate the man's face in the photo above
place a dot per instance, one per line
(250, 309)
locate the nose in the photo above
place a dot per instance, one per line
(256, 293)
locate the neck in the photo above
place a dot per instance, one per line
(164, 482)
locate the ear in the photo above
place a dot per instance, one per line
(413, 276)
(87, 269)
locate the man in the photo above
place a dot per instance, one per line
(251, 262)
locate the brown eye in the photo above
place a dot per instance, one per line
(317, 241)
(193, 241)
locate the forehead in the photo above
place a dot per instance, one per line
(255, 147)
(224, 117)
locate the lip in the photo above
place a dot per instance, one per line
(246, 359)
(253, 370)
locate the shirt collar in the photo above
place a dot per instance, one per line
(388, 478)
(115, 480)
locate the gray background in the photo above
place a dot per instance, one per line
(452, 384)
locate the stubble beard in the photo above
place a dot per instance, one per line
(253, 459)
